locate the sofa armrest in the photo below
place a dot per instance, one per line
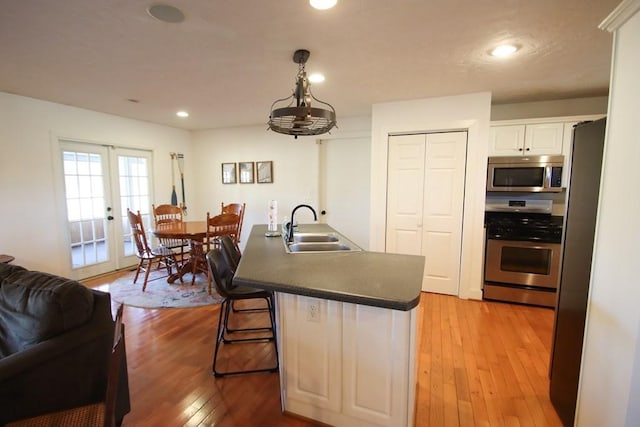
(62, 372)
(18, 363)
(57, 374)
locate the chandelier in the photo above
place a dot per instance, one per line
(298, 117)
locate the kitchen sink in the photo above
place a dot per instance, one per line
(319, 243)
(315, 237)
(318, 247)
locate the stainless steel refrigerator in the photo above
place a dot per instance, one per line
(579, 231)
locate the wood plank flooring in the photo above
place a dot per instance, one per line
(480, 364)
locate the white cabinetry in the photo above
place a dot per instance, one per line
(543, 138)
(347, 364)
(546, 136)
(531, 139)
(506, 140)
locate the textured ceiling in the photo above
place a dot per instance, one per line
(229, 60)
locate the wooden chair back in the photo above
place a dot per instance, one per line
(238, 209)
(217, 226)
(220, 225)
(138, 234)
(114, 370)
(169, 214)
(166, 214)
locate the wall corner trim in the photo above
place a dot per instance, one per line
(620, 15)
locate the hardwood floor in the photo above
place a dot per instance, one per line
(480, 364)
(484, 364)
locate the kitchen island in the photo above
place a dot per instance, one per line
(347, 329)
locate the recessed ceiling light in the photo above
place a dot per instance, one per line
(182, 114)
(316, 78)
(504, 50)
(166, 13)
(323, 4)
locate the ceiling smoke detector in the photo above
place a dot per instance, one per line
(298, 117)
(166, 13)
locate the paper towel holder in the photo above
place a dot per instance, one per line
(272, 227)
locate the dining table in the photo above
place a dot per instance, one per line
(195, 232)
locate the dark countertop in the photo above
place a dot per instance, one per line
(370, 278)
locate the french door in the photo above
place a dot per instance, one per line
(100, 183)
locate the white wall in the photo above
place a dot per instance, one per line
(553, 108)
(609, 389)
(31, 225)
(470, 112)
(295, 170)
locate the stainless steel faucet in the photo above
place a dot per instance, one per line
(290, 230)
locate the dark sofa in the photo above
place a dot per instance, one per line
(55, 339)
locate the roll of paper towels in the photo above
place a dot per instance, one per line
(273, 215)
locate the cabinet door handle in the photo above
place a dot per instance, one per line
(528, 149)
(519, 149)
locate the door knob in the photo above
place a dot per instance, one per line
(110, 218)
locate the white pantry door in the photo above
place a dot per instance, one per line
(405, 192)
(425, 195)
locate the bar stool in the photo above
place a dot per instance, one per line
(222, 276)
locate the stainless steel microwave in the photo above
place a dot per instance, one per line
(525, 173)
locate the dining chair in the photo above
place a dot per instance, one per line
(99, 414)
(217, 226)
(147, 255)
(222, 275)
(238, 209)
(170, 214)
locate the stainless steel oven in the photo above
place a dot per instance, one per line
(523, 263)
(522, 258)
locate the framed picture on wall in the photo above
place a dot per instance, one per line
(264, 170)
(229, 173)
(246, 172)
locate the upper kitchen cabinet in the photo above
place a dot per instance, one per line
(526, 139)
(546, 136)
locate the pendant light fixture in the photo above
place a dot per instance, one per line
(298, 117)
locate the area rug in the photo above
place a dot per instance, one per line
(160, 294)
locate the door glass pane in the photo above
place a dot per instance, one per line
(84, 190)
(134, 195)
